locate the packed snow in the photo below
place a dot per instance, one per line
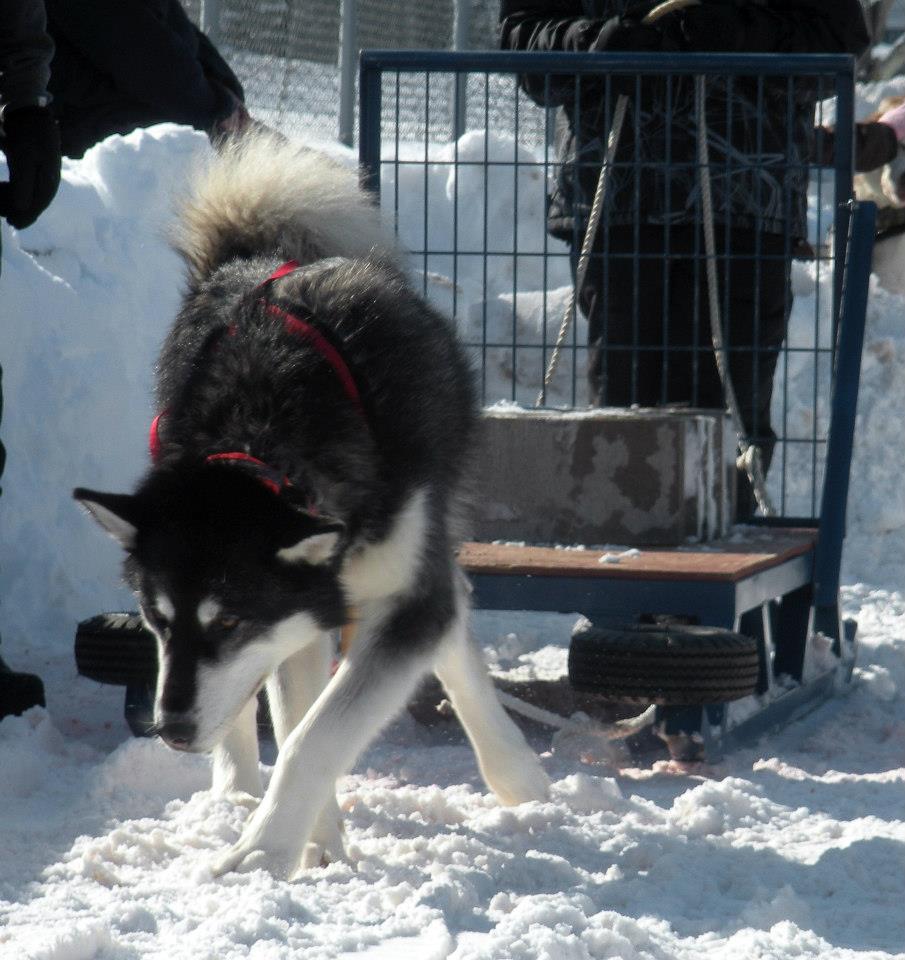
(794, 848)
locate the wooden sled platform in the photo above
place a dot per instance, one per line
(759, 582)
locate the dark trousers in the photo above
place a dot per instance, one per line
(646, 302)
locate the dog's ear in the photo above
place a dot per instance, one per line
(317, 545)
(117, 513)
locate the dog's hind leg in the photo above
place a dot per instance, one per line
(235, 758)
(291, 691)
(509, 766)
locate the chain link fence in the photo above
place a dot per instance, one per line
(298, 59)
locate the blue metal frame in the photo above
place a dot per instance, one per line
(808, 584)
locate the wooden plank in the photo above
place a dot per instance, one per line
(721, 560)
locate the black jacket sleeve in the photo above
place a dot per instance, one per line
(550, 25)
(778, 26)
(25, 52)
(754, 26)
(147, 58)
(216, 68)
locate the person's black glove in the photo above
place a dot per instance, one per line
(31, 142)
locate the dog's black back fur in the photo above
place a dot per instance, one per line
(231, 378)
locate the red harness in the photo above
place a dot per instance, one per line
(269, 476)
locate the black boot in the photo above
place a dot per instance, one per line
(19, 691)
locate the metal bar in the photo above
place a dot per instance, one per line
(844, 165)
(602, 601)
(348, 52)
(369, 107)
(794, 705)
(844, 405)
(503, 61)
(210, 19)
(791, 638)
(461, 27)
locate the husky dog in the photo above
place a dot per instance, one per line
(315, 419)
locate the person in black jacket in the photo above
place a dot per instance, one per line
(124, 64)
(645, 291)
(31, 144)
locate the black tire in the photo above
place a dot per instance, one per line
(116, 648)
(664, 664)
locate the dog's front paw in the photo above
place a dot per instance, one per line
(248, 854)
(518, 778)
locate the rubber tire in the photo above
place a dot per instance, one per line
(663, 664)
(116, 648)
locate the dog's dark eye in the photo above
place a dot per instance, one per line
(226, 622)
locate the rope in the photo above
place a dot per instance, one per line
(579, 722)
(749, 458)
(588, 242)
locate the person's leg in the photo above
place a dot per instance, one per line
(623, 298)
(755, 302)
(763, 289)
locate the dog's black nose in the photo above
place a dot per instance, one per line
(176, 732)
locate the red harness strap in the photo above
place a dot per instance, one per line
(307, 331)
(269, 476)
(301, 328)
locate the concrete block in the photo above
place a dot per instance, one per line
(604, 476)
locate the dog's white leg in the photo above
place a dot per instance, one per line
(235, 758)
(371, 685)
(509, 766)
(291, 691)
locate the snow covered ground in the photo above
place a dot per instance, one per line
(795, 848)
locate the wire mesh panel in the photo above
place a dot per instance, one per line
(287, 53)
(496, 220)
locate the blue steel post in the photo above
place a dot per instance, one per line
(842, 421)
(370, 78)
(844, 166)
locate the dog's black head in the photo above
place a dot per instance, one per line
(231, 576)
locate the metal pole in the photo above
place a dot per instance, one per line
(210, 19)
(370, 109)
(348, 57)
(840, 441)
(461, 27)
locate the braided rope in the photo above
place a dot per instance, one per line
(749, 458)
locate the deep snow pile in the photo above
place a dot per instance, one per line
(796, 849)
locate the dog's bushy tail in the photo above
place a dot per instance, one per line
(262, 194)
